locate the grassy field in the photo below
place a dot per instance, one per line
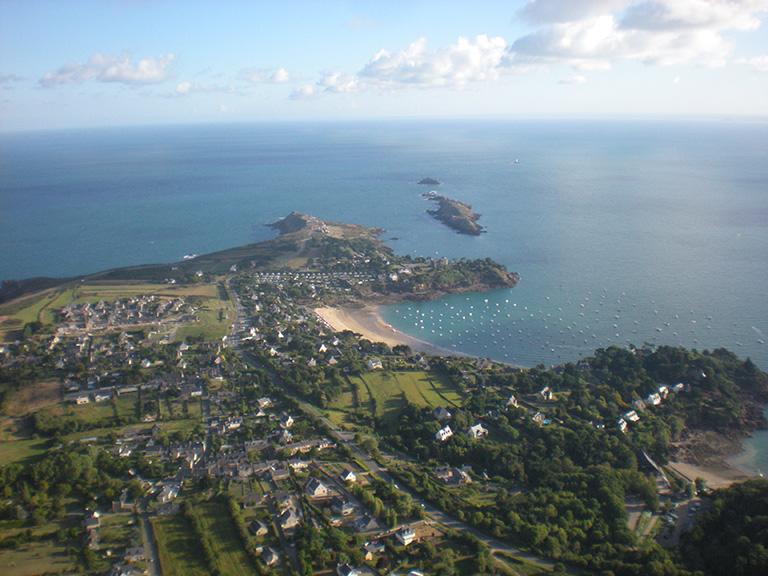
(177, 547)
(215, 315)
(35, 558)
(41, 306)
(228, 549)
(389, 392)
(22, 451)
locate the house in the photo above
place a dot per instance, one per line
(546, 394)
(342, 506)
(374, 364)
(258, 528)
(314, 488)
(653, 399)
(365, 523)
(679, 387)
(371, 549)
(346, 570)
(632, 416)
(134, 554)
(452, 476)
(477, 431)
(289, 519)
(269, 556)
(348, 476)
(285, 420)
(663, 392)
(443, 434)
(440, 414)
(91, 521)
(170, 491)
(513, 402)
(622, 425)
(539, 418)
(405, 535)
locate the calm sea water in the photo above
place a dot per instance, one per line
(621, 231)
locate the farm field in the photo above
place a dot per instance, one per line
(177, 547)
(231, 557)
(386, 393)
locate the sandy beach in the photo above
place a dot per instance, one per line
(365, 320)
(717, 475)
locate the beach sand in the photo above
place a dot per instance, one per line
(717, 474)
(365, 320)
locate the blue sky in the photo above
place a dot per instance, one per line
(73, 63)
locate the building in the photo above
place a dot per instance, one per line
(348, 476)
(314, 488)
(443, 434)
(477, 431)
(342, 506)
(405, 535)
(258, 528)
(440, 414)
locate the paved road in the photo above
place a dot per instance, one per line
(150, 547)
(345, 438)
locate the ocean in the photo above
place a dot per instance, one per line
(622, 231)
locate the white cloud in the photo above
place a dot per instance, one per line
(260, 75)
(655, 32)
(184, 87)
(187, 88)
(552, 11)
(304, 92)
(106, 68)
(578, 79)
(451, 66)
(758, 64)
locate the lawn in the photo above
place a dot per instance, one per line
(228, 549)
(45, 557)
(391, 390)
(22, 451)
(178, 548)
(215, 315)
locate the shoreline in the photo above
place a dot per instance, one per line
(366, 321)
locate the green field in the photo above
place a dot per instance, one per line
(215, 315)
(230, 555)
(22, 451)
(388, 392)
(41, 306)
(177, 547)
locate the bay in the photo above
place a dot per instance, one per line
(622, 231)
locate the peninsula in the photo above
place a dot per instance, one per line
(456, 215)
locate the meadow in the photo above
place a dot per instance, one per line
(385, 394)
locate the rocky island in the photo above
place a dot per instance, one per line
(429, 182)
(456, 215)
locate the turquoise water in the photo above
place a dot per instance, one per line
(622, 231)
(754, 457)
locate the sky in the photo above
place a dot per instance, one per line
(71, 64)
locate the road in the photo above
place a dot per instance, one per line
(345, 438)
(150, 547)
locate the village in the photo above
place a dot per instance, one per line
(243, 417)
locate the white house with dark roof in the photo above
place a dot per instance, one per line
(443, 434)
